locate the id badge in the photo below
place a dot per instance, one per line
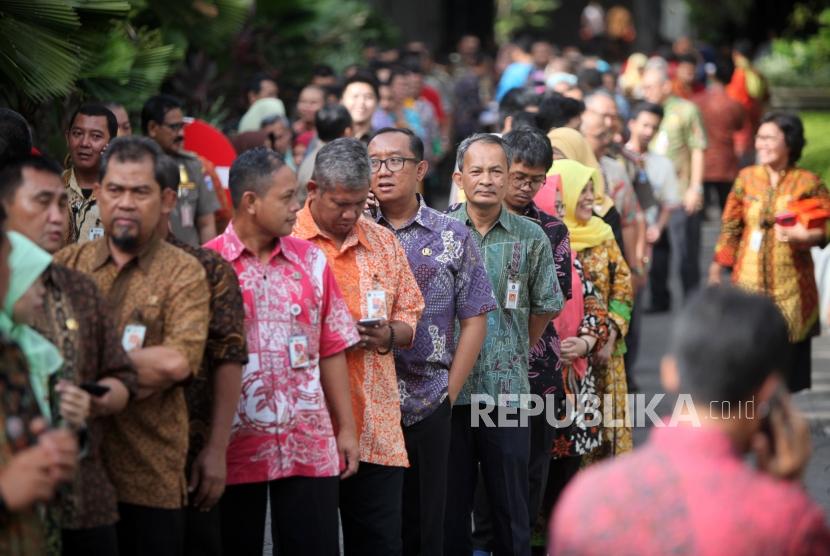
(95, 233)
(755, 240)
(186, 211)
(133, 337)
(298, 352)
(376, 304)
(511, 297)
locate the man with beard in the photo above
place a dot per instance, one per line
(160, 300)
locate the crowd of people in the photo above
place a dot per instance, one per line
(311, 337)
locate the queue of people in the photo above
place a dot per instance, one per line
(382, 377)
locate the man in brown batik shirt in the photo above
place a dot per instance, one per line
(77, 321)
(161, 302)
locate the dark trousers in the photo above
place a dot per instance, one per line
(425, 483)
(561, 472)
(632, 341)
(303, 516)
(146, 531)
(203, 532)
(719, 190)
(682, 239)
(101, 541)
(503, 453)
(370, 511)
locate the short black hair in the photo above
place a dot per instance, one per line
(649, 107)
(133, 149)
(724, 68)
(727, 342)
(415, 143)
(524, 119)
(169, 175)
(15, 136)
(362, 76)
(556, 110)
(530, 147)
(249, 170)
(397, 71)
(255, 82)
(11, 174)
(686, 59)
(516, 100)
(589, 80)
(323, 70)
(156, 108)
(331, 122)
(96, 109)
(793, 130)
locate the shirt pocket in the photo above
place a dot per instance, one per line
(149, 315)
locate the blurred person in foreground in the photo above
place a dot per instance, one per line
(767, 257)
(688, 490)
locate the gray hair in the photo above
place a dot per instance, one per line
(250, 170)
(343, 162)
(274, 118)
(487, 138)
(597, 95)
(133, 149)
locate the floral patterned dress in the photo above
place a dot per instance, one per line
(606, 268)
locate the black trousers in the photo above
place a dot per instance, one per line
(561, 472)
(146, 531)
(503, 453)
(425, 483)
(370, 511)
(718, 189)
(203, 532)
(101, 541)
(303, 516)
(681, 239)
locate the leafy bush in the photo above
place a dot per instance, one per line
(800, 63)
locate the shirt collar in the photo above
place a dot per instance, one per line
(306, 228)
(144, 257)
(707, 440)
(532, 211)
(503, 220)
(421, 216)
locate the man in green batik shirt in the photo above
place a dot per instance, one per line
(519, 262)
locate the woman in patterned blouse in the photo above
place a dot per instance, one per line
(769, 258)
(604, 265)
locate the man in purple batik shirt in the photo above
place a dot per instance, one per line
(448, 268)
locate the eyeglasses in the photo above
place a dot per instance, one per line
(178, 126)
(525, 181)
(393, 164)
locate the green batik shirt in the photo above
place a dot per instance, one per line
(515, 251)
(681, 131)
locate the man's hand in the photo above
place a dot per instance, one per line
(74, 404)
(715, 271)
(207, 478)
(375, 337)
(26, 479)
(653, 233)
(349, 451)
(62, 448)
(789, 453)
(693, 199)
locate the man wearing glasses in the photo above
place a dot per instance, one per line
(192, 221)
(448, 268)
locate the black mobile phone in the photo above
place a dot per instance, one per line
(773, 405)
(369, 322)
(94, 389)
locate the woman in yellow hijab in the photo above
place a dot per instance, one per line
(604, 265)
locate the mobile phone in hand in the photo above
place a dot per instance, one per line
(94, 389)
(369, 323)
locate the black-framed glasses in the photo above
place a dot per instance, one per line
(176, 127)
(393, 164)
(532, 182)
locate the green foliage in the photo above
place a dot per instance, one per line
(715, 21)
(796, 62)
(516, 15)
(816, 155)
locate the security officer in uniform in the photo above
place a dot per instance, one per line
(192, 221)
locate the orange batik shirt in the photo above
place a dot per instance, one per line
(760, 262)
(372, 259)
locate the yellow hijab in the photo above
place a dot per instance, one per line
(574, 146)
(574, 178)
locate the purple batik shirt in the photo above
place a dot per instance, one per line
(448, 268)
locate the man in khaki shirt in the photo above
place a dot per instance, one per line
(160, 300)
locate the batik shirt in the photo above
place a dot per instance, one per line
(371, 259)
(448, 268)
(515, 251)
(681, 132)
(84, 216)
(282, 426)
